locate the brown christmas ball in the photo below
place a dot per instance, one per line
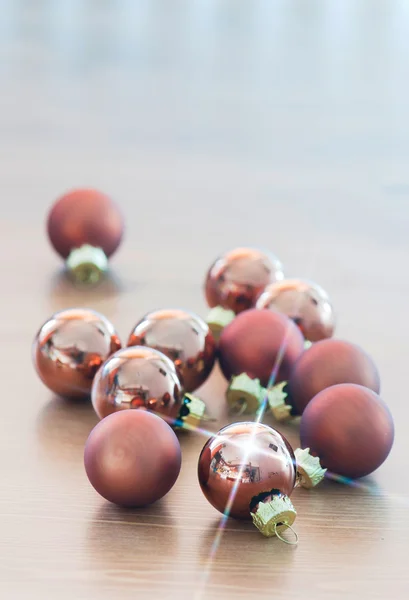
(85, 227)
(306, 303)
(328, 363)
(70, 348)
(184, 337)
(137, 377)
(349, 428)
(132, 458)
(85, 216)
(236, 279)
(248, 470)
(260, 343)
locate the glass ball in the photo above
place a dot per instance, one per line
(69, 349)
(306, 303)
(236, 279)
(252, 456)
(184, 337)
(138, 377)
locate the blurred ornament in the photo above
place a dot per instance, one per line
(325, 364)
(184, 337)
(69, 349)
(261, 347)
(349, 428)
(248, 470)
(234, 282)
(306, 303)
(85, 227)
(132, 458)
(141, 377)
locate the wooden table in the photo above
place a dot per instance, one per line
(280, 124)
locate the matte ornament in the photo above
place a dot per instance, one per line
(263, 344)
(249, 464)
(349, 428)
(327, 363)
(306, 303)
(132, 458)
(69, 349)
(139, 377)
(85, 227)
(182, 336)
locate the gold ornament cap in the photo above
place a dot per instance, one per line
(191, 412)
(276, 401)
(274, 516)
(244, 395)
(309, 470)
(87, 264)
(218, 318)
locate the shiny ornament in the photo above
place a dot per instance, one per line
(141, 377)
(306, 303)
(70, 348)
(349, 428)
(250, 468)
(184, 337)
(235, 281)
(132, 458)
(262, 344)
(85, 227)
(328, 363)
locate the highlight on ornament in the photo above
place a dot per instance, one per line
(69, 349)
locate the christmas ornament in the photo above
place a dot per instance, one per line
(85, 227)
(69, 349)
(184, 337)
(132, 458)
(234, 282)
(306, 303)
(250, 469)
(326, 363)
(258, 346)
(141, 377)
(349, 428)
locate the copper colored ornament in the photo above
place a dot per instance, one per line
(306, 303)
(70, 348)
(184, 337)
(132, 458)
(349, 428)
(235, 281)
(260, 343)
(85, 227)
(141, 377)
(251, 466)
(328, 363)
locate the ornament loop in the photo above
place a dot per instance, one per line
(280, 537)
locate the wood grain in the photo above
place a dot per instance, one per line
(280, 124)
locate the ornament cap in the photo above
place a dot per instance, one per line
(244, 394)
(87, 264)
(276, 400)
(309, 470)
(218, 318)
(191, 412)
(274, 516)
